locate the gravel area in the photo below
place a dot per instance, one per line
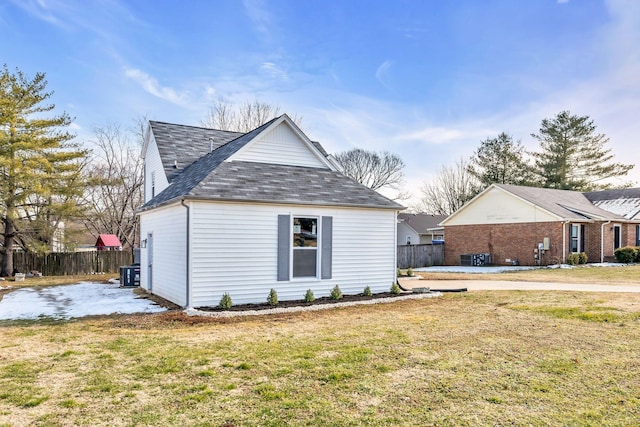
(196, 312)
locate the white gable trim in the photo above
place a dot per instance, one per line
(284, 119)
(147, 138)
(486, 190)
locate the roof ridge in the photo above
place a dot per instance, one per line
(196, 127)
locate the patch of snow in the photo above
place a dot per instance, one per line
(70, 301)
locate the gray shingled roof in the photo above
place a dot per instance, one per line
(420, 222)
(210, 177)
(181, 145)
(194, 173)
(563, 203)
(625, 202)
(264, 182)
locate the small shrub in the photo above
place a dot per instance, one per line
(272, 298)
(626, 255)
(398, 273)
(637, 257)
(336, 293)
(225, 301)
(395, 288)
(367, 292)
(582, 258)
(410, 272)
(308, 296)
(573, 259)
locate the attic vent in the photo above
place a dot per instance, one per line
(210, 144)
(175, 164)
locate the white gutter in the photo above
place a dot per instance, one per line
(602, 240)
(564, 241)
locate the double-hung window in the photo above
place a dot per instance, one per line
(576, 236)
(305, 247)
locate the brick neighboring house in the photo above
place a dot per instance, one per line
(541, 226)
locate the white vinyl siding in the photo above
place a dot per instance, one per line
(168, 227)
(234, 249)
(153, 166)
(407, 233)
(280, 146)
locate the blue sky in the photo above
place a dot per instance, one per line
(427, 80)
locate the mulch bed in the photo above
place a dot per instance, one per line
(302, 303)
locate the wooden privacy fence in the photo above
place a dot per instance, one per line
(420, 255)
(72, 263)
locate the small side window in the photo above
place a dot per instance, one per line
(153, 184)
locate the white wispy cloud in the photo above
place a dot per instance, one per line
(258, 12)
(50, 11)
(274, 71)
(443, 135)
(151, 85)
(381, 73)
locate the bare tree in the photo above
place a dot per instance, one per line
(449, 190)
(375, 170)
(243, 118)
(116, 182)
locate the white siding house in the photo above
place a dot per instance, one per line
(257, 211)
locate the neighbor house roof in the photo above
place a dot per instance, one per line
(421, 223)
(624, 202)
(108, 240)
(210, 177)
(566, 204)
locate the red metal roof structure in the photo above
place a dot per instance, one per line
(108, 242)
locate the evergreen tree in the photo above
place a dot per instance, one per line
(572, 155)
(40, 167)
(500, 160)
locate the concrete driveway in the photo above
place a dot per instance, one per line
(499, 285)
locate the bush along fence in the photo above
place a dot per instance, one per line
(71, 263)
(420, 255)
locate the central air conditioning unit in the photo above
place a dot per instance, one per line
(475, 260)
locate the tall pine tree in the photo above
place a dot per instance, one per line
(39, 164)
(573, 156)
(500, 160)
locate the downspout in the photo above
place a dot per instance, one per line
(564, 242)
(602, 240)
(395, 246)
(188, 305)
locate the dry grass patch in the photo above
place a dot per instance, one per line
(485, 358)
(619, 275)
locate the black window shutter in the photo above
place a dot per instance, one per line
(327, 247)
(581, 238)
(637, 235)
(284, 242)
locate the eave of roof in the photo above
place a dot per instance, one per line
(280, 184)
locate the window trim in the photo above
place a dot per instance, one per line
(317, 248)
(579, 238)
(617, 244)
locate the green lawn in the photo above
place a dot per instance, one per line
(484, 358)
